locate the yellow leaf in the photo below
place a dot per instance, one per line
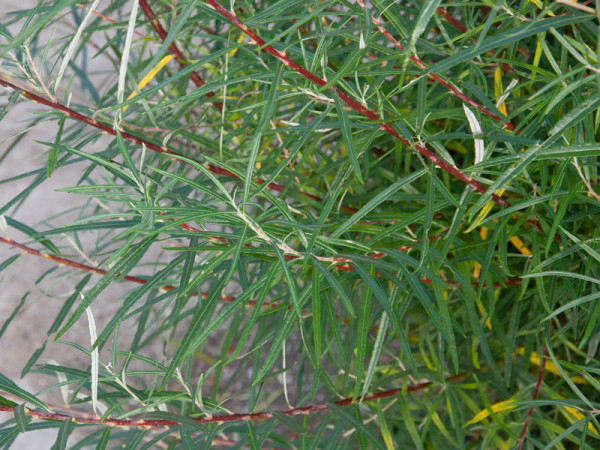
(239, 41)
(258, 164)
(540, 6)
(574, 415)
(484, 212)
(506, 405)
(498, 89)
(517, 242)
(550, 366)
(149, 76)
(385, 432)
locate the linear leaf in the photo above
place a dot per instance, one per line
(120, 269)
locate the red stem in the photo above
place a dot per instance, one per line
(150, 145)
(174, 50)
(535, 396)
(346, 267)
(460, 27)
(455, 23)
(231, 17)
(96, 270)
(141, 423)
(443, 82)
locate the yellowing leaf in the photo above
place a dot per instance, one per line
(517, 242)
(541, 6)
(385, 431)
(498, 89)
(258, 164)
(574, 415)
(454, 145)
(149, 76)
(506, 405)
(550, 366)
(343, 149)
(484, 212)
(239, 41)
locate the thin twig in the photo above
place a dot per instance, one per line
(147, 424)
(591, 191)
(460, 27)
(96, 270)
(535, 396)
(346, 267)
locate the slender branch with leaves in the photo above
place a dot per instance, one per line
(364, 223)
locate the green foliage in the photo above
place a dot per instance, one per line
(298, 273)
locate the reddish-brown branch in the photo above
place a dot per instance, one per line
(451, 20)
(141, 423)
(140, 141)
(356, 106)
(535, 396)
(173, 49)
(74, 412)
(346, 267)
(460, 27)
(433, 76)
(96, 270)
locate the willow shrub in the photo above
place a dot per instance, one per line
(338, 223)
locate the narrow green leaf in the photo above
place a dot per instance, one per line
(104, 439)
(14, 313)
(386, 304)
(347, 137)
(67, 304)
(291, 283)
(33, 359)
(7, 262)
(425, 14)
(346, 414)
(525, 30)
(186, 438)
(269, 281)
(377, 347)
(573, 304)
(9, 387)
(124, 150)
(317, 317)
(21, 418)
(281, 333)
(267, 112)
(409, 422)
(53, 152)
(336, 286)
(33, 234)
(289, 423)
(119, 270)
(362, 333)
(63, 435)
(376, 201)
